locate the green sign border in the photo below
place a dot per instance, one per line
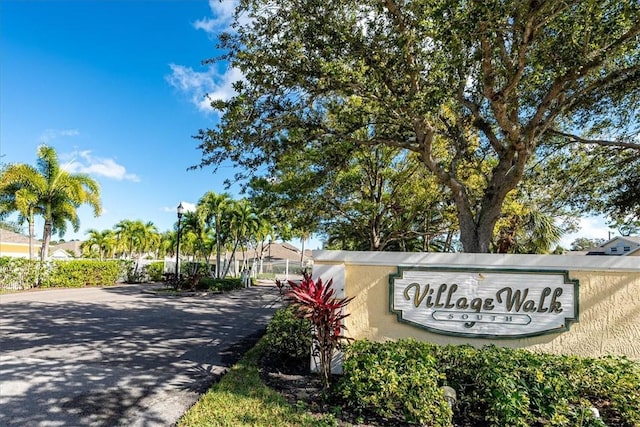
(567, 281)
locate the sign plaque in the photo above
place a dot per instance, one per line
(484, 303)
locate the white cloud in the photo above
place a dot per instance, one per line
(50, 134)
(211, 84)
(222, 18)
(84, 162)
(188, 207)
(203, 87)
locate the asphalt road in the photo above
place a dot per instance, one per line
(118, 356)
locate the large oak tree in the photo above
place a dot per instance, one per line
(480, 85)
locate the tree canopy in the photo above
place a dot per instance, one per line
(48, 190)
(377, 199)
(466, 86)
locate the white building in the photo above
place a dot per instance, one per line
(618, 246)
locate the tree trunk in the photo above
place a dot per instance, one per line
(31, 232)
(46, 238)
(375, 242)
(233, 253)
(218, 249)
(474, 237)
(448, 240)
(476, 232)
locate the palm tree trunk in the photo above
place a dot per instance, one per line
(218, 249)
(31, 232)
(233, 252)
(46, 238)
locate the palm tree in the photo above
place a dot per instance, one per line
(243, 222)
(52, 192)
(264, 232)
(147, 237)
(124, 237)
(213, 207)
(192, 223)
(137, 237)
(533, 232)
(304, 235)
(22, 200)
(167, 244)
(102, 241)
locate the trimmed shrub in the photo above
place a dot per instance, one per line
(501, 386)
(396, 380)
(154, 271)
(81, 273)
(286, 345)
(20, 273)
(495, 386)
(223, 285)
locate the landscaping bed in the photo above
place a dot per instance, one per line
(399, 384)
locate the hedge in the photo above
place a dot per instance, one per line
(495, 386)
(21, 273)
(82, 273)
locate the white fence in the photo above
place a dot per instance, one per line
(281, 269)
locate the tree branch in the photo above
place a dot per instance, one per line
(601, 142)
(567, 104)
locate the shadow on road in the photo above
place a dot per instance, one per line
(103, 362)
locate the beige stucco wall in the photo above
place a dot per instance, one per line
(609, 299)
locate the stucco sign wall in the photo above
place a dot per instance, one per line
(484, 303)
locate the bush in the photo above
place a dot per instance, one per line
(134, 272)
(501, 386)
(154, 271)
(316, 301)
(616, 381)
(286, 345)
(396, 380)
(221, 285)
(20, 273)
(495, 386)
(81, 273)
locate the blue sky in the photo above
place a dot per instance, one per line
(118, 89)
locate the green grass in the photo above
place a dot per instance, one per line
(242, 399)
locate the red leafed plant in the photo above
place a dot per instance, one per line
(317, 303)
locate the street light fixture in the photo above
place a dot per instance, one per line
(180, 212)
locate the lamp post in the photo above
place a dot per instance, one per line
(180, 212)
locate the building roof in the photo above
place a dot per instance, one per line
(7, 236)
(10, 237)
(72, 246)
(275, 251)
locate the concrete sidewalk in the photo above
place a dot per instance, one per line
(118, 356)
